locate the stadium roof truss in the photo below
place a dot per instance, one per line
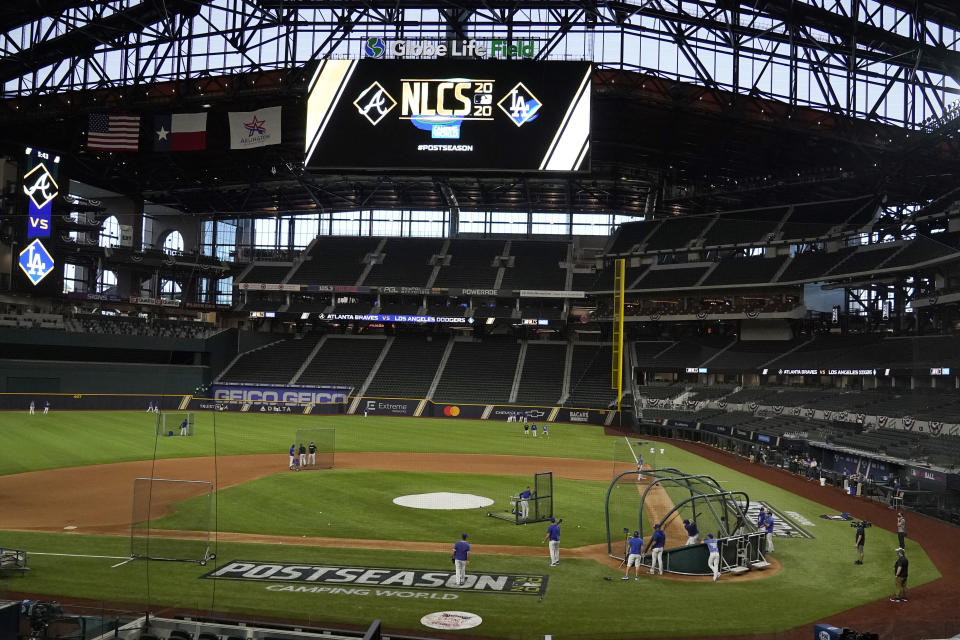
(895, 61)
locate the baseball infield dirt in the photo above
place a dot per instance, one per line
(96, 499)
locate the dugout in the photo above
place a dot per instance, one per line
(636, 502)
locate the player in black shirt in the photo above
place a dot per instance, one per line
(900, 572)
(861, 538)
(312, 459)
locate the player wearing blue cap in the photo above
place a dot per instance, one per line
(657, 541)
(293, 454)
(461, 558)
(693, 534)
(768, 525)
(761, 518)
(553, 534)
(636, 555)
(713, 560)
(525, 503)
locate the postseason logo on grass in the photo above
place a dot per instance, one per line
(340, 576)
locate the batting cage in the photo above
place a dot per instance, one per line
(175, 423)
(673, 499)
(537, 507)
(314, 448)
(171, 520)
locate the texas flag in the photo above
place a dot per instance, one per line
(180, 132)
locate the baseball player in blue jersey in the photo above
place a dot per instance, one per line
(553, 533)
(713, 560)
(525, 503)
(545, 434)
(183, 427)
(635, 556)
(693, 534)
(533, 430)
(461, 558)
(761, 518)
(768, 525)
(293, 454)
(657, 541)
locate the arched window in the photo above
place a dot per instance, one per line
(173, 243)
(110, 232)
(107, 282)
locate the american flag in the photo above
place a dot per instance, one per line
(113, 133)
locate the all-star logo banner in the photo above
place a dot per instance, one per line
(449, 115)
(419, 579)
(252, 129)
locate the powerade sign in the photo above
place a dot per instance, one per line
(340, 576)
(261, 394)
(379, 48)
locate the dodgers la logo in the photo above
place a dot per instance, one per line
(520, 105)
(36, 262)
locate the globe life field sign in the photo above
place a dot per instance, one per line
(449, 115)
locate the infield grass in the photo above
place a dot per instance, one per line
(353, 503)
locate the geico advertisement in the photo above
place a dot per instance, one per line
(449, 114)
(427, 579)
(239, 393)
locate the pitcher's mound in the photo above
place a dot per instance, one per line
(443, 500)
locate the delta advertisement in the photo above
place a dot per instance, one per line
(277, 393)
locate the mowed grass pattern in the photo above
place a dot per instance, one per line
(578, 604)
(359, 504)
(819, 578)
(63, 439)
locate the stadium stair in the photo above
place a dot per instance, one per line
(373, 374)
(307, 361)
(518, 372)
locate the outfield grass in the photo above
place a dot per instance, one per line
(90, 437)
(820, 581)
(353, 503)
(819, 578)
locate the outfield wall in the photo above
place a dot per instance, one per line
(401, 407)
(46, 376)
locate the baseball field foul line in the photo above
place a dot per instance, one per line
(78, 555)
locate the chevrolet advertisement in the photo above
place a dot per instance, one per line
(460, 115)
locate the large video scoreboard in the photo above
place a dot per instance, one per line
(467, 115)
